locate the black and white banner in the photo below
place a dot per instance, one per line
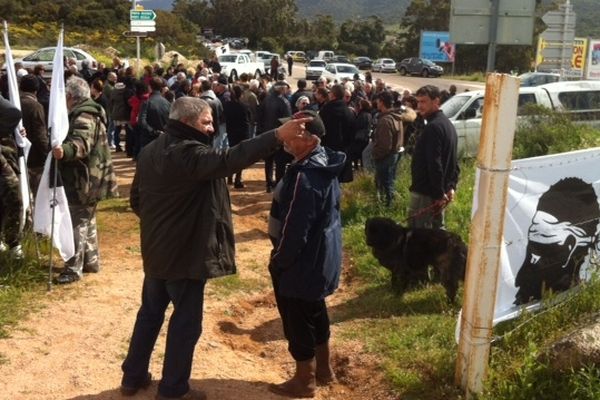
(551, 228)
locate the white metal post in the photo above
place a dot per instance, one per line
(487, 225)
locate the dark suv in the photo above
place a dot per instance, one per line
(419, 66)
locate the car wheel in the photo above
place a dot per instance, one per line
(403, 71)
(233, 76)
(425, 73)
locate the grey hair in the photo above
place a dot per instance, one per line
(77, 88)
(254, 83)
(187, 108)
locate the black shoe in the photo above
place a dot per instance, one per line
(119, 149)
(269, 188)
(66, 277)
(132, 390)
(239, 185)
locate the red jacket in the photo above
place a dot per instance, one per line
(136, 102)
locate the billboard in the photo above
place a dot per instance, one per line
(593, 64)
(436, 46)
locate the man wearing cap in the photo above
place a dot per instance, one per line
(306, 258)
(179, 191)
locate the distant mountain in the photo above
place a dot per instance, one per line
(341, 10)
(156, 4)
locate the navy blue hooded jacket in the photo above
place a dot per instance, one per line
(306, 229)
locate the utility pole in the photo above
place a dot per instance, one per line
(491, 57)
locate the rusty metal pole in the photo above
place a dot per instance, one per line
(487, 225)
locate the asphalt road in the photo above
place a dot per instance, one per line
(399, 82)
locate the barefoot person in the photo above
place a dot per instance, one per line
(304, 226)
(179, 193)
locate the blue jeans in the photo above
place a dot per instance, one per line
(385, 176)
(185, 327)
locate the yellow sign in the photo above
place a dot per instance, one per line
(579, 56)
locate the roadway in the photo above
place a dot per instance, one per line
(399, 82)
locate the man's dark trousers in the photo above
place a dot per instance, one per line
(185, 327)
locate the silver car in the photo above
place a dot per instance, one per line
(45, 56)
(384, 65)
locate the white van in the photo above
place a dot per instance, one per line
(326, 55)
(581, 99)
(465, 111)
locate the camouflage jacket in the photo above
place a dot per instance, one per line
(86, 168)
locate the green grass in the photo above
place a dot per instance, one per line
(474, 77)
(414, 334)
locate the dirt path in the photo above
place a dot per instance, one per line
(72, 348)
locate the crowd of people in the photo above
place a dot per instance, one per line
(193, 132)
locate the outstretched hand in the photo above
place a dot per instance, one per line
(292, 129)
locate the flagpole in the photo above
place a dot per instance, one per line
(53, 204)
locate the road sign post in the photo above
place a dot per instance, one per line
(556, 42)
(492, 22)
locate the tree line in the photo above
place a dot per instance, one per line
(273, 25)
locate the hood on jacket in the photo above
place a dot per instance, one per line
(91, 107)
(119, 85)
(209, 93)
(323, 158)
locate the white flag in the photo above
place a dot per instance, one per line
(23, 143)
(54, 200)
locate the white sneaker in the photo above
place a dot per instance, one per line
(17, 252)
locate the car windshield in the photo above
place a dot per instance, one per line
(388, 61)
(347, 69)
(229, 58)
(317, 64)
(453, 105)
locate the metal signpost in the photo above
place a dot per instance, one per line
(555, 47)
(492, 22)
(142, 22)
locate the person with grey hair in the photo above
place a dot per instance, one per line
(179, 193)
(87, 173)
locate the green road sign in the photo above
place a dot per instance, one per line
(142, 15)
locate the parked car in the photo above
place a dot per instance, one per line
(580, 100)
(299, 56)
(336, 72)
(314, 69)
(45, 56)
(419, 66)
(340, 59)
(265, 57)
(235, 64)
(465, 111)
(326, 55)
(538, 78)
(363, 62)
(384, 65)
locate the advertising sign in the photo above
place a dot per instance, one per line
(436, 46)
(593, 70)
(578, 58)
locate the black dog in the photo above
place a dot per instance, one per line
(408, 253)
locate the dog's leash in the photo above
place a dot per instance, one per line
(425, 210)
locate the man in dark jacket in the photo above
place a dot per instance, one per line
(388, 138)
(271, 110)
(340, 127)
(307, 256)
(86, 169)
(34, 122)
(434, 167)
(179, 193)
(154, 113)
(10, 195)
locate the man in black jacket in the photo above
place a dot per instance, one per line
(34, 122)
(340, 127)
(434, 165)
(154, 113)
(179, 193)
